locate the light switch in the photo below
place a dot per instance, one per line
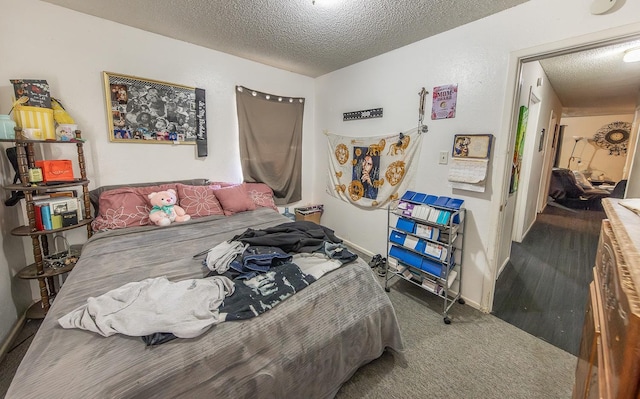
(444, 155)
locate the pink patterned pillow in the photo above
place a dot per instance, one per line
(199, 201)
(261, 194)
(125, 207)
(234, 199)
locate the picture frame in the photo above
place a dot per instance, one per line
(475, 146)
(149, 111)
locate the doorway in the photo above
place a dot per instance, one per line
(515, 224)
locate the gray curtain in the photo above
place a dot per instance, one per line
(270, 128)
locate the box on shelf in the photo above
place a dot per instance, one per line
(56, 170)
(411, 242)
(309, 213)
(406, 208)
(36, 117)
(426, 231)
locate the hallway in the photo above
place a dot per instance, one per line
(544, 288)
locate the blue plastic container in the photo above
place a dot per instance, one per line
(397, 237)
(432, 267)
(406, 256)
(406, 225)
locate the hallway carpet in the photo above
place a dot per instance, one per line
(544, 288)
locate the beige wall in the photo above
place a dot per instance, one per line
(591, 158)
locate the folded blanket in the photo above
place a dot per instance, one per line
(185, 308)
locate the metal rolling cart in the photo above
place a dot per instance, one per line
(425, 246)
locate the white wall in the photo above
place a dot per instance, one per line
(71, 50)
(478, 57)
(532, 159)
(632, 166)
(589, 156)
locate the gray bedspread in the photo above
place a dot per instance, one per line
(306, 347)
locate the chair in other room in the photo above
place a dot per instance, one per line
(566, 190)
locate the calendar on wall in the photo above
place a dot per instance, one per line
(470, 161)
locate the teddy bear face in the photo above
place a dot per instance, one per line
(163, 198)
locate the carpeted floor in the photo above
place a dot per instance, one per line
(16, 352)
(476, 356)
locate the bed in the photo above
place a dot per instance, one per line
(305, 347)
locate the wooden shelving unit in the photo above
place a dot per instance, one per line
(39, 238)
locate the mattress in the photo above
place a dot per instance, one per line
(305, 347)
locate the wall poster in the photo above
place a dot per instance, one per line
(444, 102)
(523, 117)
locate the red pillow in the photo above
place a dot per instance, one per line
(234, 199)
(125, 207)
(198, 201)
(261, 194)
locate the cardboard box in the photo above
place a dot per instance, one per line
(309, 213)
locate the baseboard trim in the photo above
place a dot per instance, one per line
(357, 247)
(13, 334)
(501, 269)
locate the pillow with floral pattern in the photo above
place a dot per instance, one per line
(199, 201)
(261, 194)
(125, 207)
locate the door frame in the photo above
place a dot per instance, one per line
(509, 126)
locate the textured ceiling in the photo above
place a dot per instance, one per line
(314, 39)
(595, 81)
(295, 35)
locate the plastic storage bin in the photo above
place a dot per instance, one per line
(397, 237)
(406, 225)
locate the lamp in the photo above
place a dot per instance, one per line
(572, 157)
(632, 55)
(587, 170)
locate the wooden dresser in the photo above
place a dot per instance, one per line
(609, 360)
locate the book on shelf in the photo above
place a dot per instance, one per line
(38, 217)
(52, 212)
(45, 211)
(69, 218)
(56, 221)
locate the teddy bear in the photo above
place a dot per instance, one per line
(165, 210)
